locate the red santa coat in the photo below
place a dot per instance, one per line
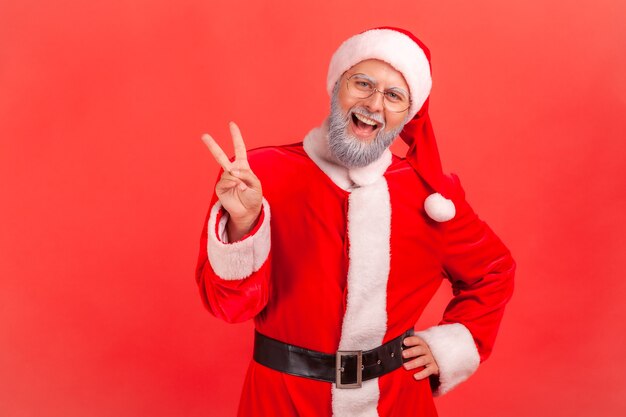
(348, 260)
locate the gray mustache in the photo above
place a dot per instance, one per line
(364, 112)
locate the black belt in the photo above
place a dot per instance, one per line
(347, 368)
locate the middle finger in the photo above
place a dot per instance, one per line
(415, 363)
(414, 351)
(238, 143)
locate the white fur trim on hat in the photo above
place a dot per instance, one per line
(455, 352)
(390, 46)
(439, 208)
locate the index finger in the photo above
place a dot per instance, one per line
(413, 341)
(238, 144)
(217, 152)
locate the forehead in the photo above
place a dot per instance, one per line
(382, 72)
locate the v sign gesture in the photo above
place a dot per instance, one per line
(238, 190)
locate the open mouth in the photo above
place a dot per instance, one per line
(362, 126)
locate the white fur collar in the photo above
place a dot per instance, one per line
(316, 146)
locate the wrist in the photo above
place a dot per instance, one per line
(246, 220)
(238, 227)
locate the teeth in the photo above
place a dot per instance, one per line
(365, 119)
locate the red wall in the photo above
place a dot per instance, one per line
(104, 186)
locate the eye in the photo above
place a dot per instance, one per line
(393, 96)
(362, 84)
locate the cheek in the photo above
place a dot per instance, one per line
(346, 102)
(393, 121)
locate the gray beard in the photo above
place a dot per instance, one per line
(347, 148)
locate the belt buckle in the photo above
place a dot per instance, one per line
(359, 368)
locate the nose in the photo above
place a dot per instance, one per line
(375, 102)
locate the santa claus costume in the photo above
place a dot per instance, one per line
(347, 259)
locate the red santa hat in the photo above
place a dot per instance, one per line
(408, 55)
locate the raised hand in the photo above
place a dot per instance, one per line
(238, 189)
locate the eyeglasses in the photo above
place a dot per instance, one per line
(395, 99)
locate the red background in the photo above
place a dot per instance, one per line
(105, 184)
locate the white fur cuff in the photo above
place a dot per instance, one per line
(454, 349)
(237, 260)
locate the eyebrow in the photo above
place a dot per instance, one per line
(373, 81)
(367, 77)
(399, 90)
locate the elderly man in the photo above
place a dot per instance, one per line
(334, 247)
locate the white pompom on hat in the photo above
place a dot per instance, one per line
(439, 208)
(408, 55)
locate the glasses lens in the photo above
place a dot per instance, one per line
(360, 86)
(396, 100)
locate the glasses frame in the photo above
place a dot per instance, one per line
(375, 90)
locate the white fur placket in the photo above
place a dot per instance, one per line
(365, 319)
(369, 230)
